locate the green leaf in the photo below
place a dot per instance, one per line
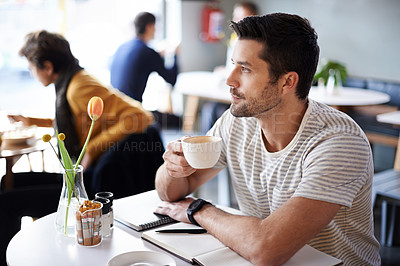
(326, 65)
(70, 175)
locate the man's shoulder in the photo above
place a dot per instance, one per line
(131, 46)
(330, 116)
(83, 82)
(84, 76)
(324, 118)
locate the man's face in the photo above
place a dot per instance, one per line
(252, 90)
(42, 75)
(151, 29)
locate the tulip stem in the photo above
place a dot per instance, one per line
(84, 146)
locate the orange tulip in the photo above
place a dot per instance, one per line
(95, 107)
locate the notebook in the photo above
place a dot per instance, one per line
(136, 211)
(204, 249)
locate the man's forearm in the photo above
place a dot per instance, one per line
(171, 188)
(275, 239)
(41, 122)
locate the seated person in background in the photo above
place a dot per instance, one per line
(134, 61)
(212, 110)
(240, 11)
(301, 170)
(51, 61)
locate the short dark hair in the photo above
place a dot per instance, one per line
(290, 44)
(41, 46)
(249, 6)
(142, 20)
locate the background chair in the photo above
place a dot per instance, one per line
(129, 167)
(383, 137)
(386, 193)
(25, 199)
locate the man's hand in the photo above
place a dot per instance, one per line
(19, 118)
(176, 210)
(175, 163)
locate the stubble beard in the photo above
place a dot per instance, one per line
(255, 107)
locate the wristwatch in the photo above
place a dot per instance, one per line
(194, 207)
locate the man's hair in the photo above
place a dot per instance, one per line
(249, 6)
(289, 44)
(41, 46)
(142, 20)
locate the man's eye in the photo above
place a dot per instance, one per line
(245, 69)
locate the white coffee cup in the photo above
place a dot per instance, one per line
(202, 152)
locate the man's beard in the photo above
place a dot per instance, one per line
(253, 107)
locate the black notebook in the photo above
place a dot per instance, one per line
(137, 212)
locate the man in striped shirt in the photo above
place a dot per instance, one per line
(302, 171)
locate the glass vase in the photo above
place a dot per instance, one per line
(73, 193)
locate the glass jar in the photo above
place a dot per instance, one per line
(110, 197)
(73, 193)
(106, 218)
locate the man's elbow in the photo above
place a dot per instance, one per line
(267, 257)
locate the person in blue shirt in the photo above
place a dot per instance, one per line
(134, 61)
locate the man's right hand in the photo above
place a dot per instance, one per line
(175, 162)
(19, 118)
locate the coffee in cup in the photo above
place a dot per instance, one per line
(202, 152)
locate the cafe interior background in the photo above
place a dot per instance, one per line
(361, 34)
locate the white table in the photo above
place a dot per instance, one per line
(40, 244)
(390, 118)
(12, 154)
(203, 84)
(348, 96)
(200, 85)
(394, 119)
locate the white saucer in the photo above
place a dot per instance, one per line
(142, 258)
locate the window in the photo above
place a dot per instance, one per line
(94, 28)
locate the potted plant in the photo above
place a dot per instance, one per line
(331, 68)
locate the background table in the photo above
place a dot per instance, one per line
(390, 118)
(205, 85)
(348, 96)
(200, 85)
(40, 244)
(12, 154)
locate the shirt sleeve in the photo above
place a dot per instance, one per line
(168, 74)
(335, 169)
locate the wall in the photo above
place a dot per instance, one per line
(195, 54)
(362, 34)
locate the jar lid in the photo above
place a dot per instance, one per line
(106, 204)
(105, 194)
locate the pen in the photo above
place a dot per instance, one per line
(187, 231)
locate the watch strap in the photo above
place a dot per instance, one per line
(194, 207)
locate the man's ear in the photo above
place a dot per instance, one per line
(48, 67)
(289, 82)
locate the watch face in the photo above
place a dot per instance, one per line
(196, 203)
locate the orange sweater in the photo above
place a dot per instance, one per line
(121, 117)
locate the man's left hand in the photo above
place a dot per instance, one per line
(176, 210)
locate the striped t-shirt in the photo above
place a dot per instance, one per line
(329, 159)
